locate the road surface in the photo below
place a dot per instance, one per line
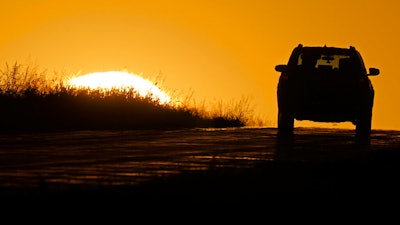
(200, 164)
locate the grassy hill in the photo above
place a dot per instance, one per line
(30, 101)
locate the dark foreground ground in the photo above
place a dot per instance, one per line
(235, 166)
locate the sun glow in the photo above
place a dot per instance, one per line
(121, 81)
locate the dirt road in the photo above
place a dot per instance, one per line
(213, 164)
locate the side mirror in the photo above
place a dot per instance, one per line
(373, 72)
(281, 68)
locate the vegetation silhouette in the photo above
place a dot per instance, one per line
(31, 102)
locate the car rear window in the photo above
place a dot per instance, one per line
(336, 61)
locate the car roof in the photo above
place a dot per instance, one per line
(325, 49)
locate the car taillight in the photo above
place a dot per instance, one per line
(361, 80)
(284, 78)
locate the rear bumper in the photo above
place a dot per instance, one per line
(327, 111)
(326, 116)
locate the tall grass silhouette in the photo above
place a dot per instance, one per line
(34, 100)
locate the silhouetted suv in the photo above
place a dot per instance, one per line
(325, 84)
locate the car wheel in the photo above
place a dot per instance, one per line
(285, 123)
(363, 128)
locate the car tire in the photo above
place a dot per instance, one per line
(285, 123)
(363, 127)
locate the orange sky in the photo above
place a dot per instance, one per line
(218, 49)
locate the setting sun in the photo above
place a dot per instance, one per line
(120, 81)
